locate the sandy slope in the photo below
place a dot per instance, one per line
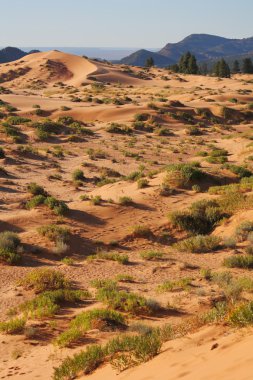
(195, 358)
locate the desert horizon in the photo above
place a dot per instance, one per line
(126, 190)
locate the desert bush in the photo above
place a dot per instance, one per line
(13, 326)
(242, 315)
(199, 244)
(2, 153)
(119, 129)
(168, 286)
(103, 283)
(124, 301)
(48, 303)
(96, 200)
(141, 231)
(240, 171)
(183, 175)
(101, 319)
(242, 231)
(151, 255)
(78, 175)
(239, 261)
(43, 279)
(142, 183)
(54, 232)
(200, 218)
(125, 201)
(165, 190)
(123, 352)
(36, 189)
(10, 249)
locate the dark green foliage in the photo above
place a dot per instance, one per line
(221, 69)
(201, 217)
(9, 247)
(247, 66)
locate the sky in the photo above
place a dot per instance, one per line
(119, 23)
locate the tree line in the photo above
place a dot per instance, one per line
(188, 65)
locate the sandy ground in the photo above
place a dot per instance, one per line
(60, 84)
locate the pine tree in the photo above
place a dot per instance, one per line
(236, 67)
(192, 65)
(221, 69)
(247, 66)
(150, 62)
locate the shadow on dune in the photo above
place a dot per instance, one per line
(84, 217)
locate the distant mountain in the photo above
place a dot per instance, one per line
(204, 46)
(140, 57)
(10, 54)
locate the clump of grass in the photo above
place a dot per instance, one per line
(201, 217)
(142, 183)
(78, 175)
(36, 189)
(48, 303)
(13, 326)
(125, 201)
(123, 352)
(151, 255)
(103, 283)
(242, 231)
(112, 256)
(169, 286)
(182, 175)
(124, 301)
(101, 319)
(242, 315)
(141, 231)
(199, 244)
(239, 261)
(54, 232)
(44, 279)
(10, 248)
(124, 278)
(96, 200)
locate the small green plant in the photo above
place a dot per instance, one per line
(54, 232)
(239, 261)
(199, 244)
(13, 326)
(125, 201)
(78, 175)
(141, 231)
(10, 249)
(151, 255)
(43, 279)
(142, 183)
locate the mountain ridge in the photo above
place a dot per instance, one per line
(203, 46)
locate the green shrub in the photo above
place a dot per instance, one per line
(242, 315)
(44, 279)
(54, 232)
(124, 301)
(201, 217)
(151, 255)
(13, 326)
(198, 244)
(119, 129)
(239, 261)
(125, 201)
(141, 231)
(142, 183)
(168, 286)
(183, 175)
(36, 189)
(9, 247)
(37, 200)
(78, 175)
(48, 303)
(101, 319)
(104, 283)
(242, 231)
(241, 171)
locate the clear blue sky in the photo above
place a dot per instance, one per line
(120, 23)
